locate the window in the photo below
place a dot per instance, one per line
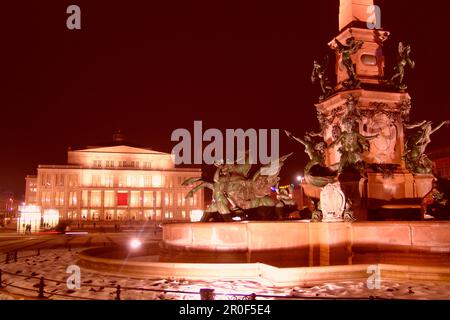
(179, 197)
(84, 198)
(121, 181)
(122, 198)
(148, 199)
(60, 180)
(96, 197)
(109, 199)
(46, 180)
(158, 199)
(195, 199)
(96, 181)
(72, 198)
(148, 181)
(147, 165)
(109, 181)
(109, 164)
(169, 215)
(168, 199)
(135, 198)
(157, 181)
(59, 198)
(46, 198)
(73, 180)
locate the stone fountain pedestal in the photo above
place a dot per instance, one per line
(376, 192)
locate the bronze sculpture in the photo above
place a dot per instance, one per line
(416, 160)
(234, 191)
(353, 144)
(404, 60)
(351, 47)
(316, 173)
(320, 74)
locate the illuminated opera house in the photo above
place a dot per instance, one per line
(116, 182)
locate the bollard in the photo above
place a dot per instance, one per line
(118, 292)
(70, 248)
(7, 258)
(1, 281)
(206, 294)
(41, 288)
(15, 256)
(38, 252)
(252, 296)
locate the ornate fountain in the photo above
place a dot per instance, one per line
(363, 149)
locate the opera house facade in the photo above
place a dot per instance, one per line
(118, 182)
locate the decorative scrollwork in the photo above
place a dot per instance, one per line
(405, 109)
(381, 107)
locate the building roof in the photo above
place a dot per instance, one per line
(120, 149)
(118, 144)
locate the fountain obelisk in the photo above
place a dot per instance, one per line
(366, 105)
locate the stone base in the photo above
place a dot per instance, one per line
(399, 186)
(400, 193)
(313, 244)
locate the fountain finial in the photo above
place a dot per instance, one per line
(355, 11)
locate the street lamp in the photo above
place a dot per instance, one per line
(300, 181)
(135, 244)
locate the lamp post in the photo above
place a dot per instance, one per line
(300, 181)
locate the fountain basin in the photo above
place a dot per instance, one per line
(285, 253)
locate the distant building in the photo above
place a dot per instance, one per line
(8, 205)
(441, 160)
(118, 182)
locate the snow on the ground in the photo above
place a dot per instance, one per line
(52, 264)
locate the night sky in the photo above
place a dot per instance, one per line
(149, 67)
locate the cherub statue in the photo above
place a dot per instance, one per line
(416, 144)
(353, 144)
(347, 50)
(404, 60)
(320, 74)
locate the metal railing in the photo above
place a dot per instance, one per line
(204, 293)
